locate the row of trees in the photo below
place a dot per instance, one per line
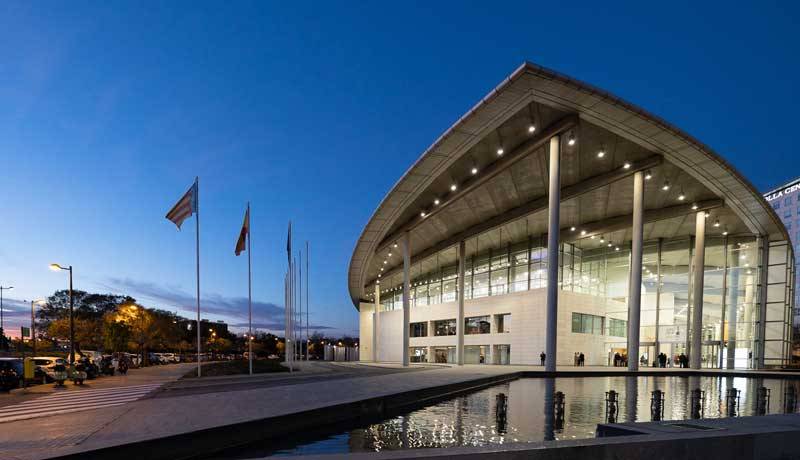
(116, 323)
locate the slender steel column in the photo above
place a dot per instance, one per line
(697, 289)
(733, 308)
(376, 322)
(658, 294)
(553, 226)
(722, 342)
(460, 316)
(406, 247)
(635, 271)
(763, 244)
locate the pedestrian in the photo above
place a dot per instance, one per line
(581, 359)
(541, 357)
(575, 359)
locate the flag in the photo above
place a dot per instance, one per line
(289, 243)
(244, 233)
(185, 207)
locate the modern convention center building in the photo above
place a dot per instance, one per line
(555, 218)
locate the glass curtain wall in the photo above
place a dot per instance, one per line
(731, 312)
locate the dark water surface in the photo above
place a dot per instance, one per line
(516, 412)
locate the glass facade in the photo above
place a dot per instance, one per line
(733, 287)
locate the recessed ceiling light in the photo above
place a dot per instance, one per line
(422, 214)
(531, 128)
(436, 201)
(648, 175)
(609, 245)
(390, 254)
(694, 207)
(626, 165)
(601, 153)
(500, 151)
(665, 187)
(616, 248)
(453, 188)
(583, 232)
(474, 170)
(571, 138)
(384, 262)
(591, 237)
(572, 229)
(681, 197)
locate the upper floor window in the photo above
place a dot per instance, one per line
(418, 329)
(444, 327)
(587, 324)
(504, 323)
(787, 201)
(477, 325)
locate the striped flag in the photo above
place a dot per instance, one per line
(185, 207)
(244, 233)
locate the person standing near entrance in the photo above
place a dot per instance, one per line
(581, 359)
(542, 356)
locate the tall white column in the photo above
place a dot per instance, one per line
(553, 227)
(761, 329)
(460, 316)
(697, 289)
(406, 248)
(635, 280)
(376, 322)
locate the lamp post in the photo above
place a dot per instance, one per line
(3, 288)
(33, 324)
(56, 267)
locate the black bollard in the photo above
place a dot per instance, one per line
(762, 401)
(790, 399)
(697, 402)
(500, 414)
(656, 405)
(612, 405)
(732, 402)
(558, 407)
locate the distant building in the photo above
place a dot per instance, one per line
(785, 200)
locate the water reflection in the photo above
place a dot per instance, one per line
(529, 410)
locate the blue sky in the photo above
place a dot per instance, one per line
(312, 111)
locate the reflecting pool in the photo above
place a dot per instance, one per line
(525, 410)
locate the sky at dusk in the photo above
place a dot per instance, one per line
(312, 111)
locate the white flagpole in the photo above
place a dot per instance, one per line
(307, 272)
(249, 295)
(300, 299)
(197, 234)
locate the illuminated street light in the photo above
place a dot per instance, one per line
(56, 267)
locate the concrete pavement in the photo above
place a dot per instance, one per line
(172, 424)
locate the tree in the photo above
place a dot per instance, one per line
(88, 332)
(116, 334)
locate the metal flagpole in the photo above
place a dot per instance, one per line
(294, 310)
(249, 295)
(300, 299)
(197, 234)
(307, 337)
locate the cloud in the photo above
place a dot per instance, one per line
(271, 316)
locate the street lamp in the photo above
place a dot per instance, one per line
(3, 288)
(56, 267)
(33, 323)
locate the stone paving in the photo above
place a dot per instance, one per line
(158, 417)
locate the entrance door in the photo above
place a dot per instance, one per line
(709, 355)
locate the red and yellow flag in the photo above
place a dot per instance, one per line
(244, 234)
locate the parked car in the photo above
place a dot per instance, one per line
(10, 373)
(44, 367)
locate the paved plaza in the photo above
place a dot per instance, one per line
(179, 407)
